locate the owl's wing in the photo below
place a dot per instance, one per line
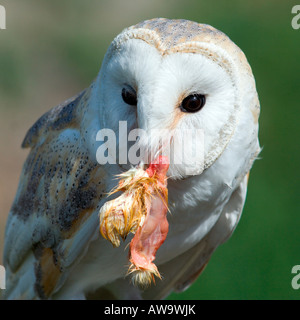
(54, 213)
(179, 273)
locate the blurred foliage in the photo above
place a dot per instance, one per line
(11, 71)
(72, 37)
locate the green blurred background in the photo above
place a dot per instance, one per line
(52, 49)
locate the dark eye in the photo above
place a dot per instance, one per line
(193, 103)
(129, 96)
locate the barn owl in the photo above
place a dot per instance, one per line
(158, 76)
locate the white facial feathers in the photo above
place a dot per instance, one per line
(162, 77)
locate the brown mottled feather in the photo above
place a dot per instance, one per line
(57, 118)
(60, 187)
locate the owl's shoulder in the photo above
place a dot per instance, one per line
(58, 118)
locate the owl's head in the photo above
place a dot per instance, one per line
(179, 87)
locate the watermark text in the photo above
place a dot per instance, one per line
(296, 18)
(184, 148)
(2, 277)
(2, 18)
(296, 278)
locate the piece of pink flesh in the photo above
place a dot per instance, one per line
(154, 230)
(159, 167)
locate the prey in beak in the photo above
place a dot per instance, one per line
(141, 209)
